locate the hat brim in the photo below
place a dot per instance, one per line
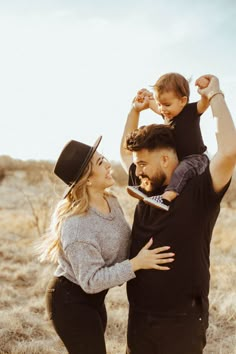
(85, 163)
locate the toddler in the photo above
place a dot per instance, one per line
(171, 101)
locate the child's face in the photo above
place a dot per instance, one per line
(169, 104)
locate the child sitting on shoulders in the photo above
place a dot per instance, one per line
(171, 101)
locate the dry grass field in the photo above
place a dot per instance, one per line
(28, 193)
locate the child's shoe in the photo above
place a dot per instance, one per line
(135, 192)
(158, 202)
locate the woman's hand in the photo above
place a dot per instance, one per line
(152, 259)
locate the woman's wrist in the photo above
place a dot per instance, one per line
(134, 264)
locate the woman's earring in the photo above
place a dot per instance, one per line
(89, 183)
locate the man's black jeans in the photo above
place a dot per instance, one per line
(79, 319)
(154, 334)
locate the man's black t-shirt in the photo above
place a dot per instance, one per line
(187, 229)
(187, 131)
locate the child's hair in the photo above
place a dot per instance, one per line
(172, 82)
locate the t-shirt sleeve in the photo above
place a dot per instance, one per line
(207, 191)
(192, 110)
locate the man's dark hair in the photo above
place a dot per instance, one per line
(151, 137)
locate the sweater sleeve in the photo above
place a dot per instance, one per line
(91, 271)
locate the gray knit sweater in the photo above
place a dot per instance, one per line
(95, 249)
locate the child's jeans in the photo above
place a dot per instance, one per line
(189, 167)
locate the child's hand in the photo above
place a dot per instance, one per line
(145, 94)
(140, 103)
(202, 82)
(141, 100)
(212, 87)
(154, 106)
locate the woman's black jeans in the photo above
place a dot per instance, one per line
(79, 319)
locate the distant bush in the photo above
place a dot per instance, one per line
(2, 174)
(119, 174)
(37, 171)
(8, 163)
(34, 171)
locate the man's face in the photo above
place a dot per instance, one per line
(169, 104)
(149, 169)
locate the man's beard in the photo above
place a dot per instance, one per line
(152, 186)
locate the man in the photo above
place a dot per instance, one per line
(169, 310)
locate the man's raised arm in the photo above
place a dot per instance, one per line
(223, 163)
(131, 124)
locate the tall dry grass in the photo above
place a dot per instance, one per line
(28, 193)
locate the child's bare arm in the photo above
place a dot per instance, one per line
(154, 106)
(145, 94)
(203, 103)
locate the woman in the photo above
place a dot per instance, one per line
(89, 240)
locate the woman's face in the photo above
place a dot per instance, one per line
(101, 177)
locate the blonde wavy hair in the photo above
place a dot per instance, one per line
(76, 203)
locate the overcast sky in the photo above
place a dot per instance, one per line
(69, 69)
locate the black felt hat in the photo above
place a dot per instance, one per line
(73, 160)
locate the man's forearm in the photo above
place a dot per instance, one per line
(225, 128)
(131, 124)
(223, 162)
